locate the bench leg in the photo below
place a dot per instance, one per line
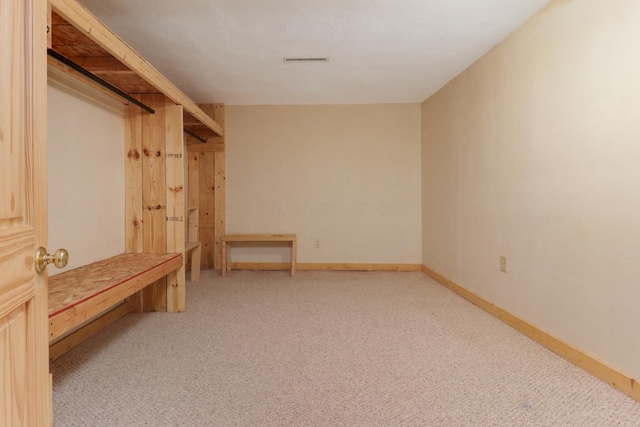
(293, 258)
(228, 255)
(195, 263)
(224, 258)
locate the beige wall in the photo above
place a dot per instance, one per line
(86, 172)
(348, 175)
(534, 153)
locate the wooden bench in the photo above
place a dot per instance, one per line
(78, 295)
(255, 238)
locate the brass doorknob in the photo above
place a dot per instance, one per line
(59, 259)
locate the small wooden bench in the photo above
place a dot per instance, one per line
(255, 238)
(78, 295)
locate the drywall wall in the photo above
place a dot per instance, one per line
(347, 175)
(532, 153)
(86, 172)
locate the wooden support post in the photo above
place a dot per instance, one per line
(220, 198)
(133, 179)
(154, 194)
(175, 202)
(207, 186)
(210, 159)
(49, 26)
(134, 242)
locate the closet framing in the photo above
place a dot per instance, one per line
(160, 161)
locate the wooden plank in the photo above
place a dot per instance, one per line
(259, 237)
(220, 184)
(294, 256)
(193, 225)
(206, 207)
(206, 240)
(154, 220)
(70, 341)
(306, 266)
(212, 205)
(195, 262)
(101, 64)
(154, 175)
(220, 195)
(133, 179)
(175, 199)
(154, 296)
(136, 302)
(219, 204)
(194, 180)
(209, 147)
(619, 380)
(37, 117)
(84, 21)
(226, 258)
(49, 26)
(76, 296)
(55, 64)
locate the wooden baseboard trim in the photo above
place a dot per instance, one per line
(305, 266)
(606, 373)
(66, 343)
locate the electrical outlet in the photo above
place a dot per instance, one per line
(316, 243)
(503, 264)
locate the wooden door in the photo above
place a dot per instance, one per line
(25, 397)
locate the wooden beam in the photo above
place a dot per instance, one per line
(101, 64)
(133, 179)
(75, 338)
(154, 297)
(175, 199)
(49, 27)
(153, 175)
(220, 184)
(208, 147)
(55, 64)
(85, 21)
(309, 266)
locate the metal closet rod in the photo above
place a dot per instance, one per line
(191, 134)
(111, 87)
(52, 53)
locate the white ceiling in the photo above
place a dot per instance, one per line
(381, 51)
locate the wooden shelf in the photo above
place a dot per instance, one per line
(80, 294)
(78, 35)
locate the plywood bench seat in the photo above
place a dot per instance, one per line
(77, 295)
(255, 238)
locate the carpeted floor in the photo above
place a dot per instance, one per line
(325, 349)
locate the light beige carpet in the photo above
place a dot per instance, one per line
(325, 349)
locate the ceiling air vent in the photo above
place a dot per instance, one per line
(305, 59)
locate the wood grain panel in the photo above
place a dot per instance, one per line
(14, 350)
(133, 179)
(175, 195)
(77, 337)
(207, 188)
(76, 296)
(154, 175)
(220, 198)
